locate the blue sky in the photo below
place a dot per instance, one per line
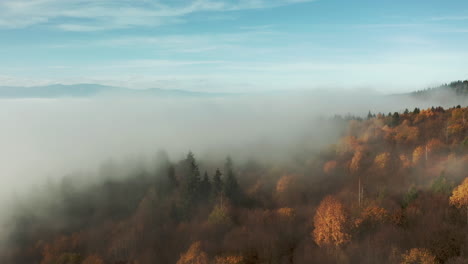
(234, 45)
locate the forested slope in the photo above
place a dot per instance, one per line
(393, 189)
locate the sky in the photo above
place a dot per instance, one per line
(234, 45)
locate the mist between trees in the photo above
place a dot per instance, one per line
(241, 180)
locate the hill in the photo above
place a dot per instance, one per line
(89, 90)
(391, 190)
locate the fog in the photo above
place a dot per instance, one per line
(45, 139)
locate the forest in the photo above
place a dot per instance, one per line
(392, 189)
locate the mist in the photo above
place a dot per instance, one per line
(49, 138)
(44, 140)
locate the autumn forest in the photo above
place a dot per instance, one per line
(392, 189)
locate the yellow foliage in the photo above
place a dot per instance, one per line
(372, 215)
(286, 212)
(330, 223)
(355, 164)
(418, 256)
(382, 160)
(284, 183)
(418, 153)
(459, 196)
(194, 255)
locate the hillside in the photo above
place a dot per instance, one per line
(457, 88)
(89, 90)
(382, 186)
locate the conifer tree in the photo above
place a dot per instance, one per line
(231, 186)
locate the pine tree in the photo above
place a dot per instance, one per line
(191, 185)
(172, 180)
(217, 187)
(231, 186)
(205, 186)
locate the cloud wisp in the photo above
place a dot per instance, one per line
(89, 15)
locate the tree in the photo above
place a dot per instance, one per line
(418, 256)
(382, 160)
(217, 187)
(172, 180)
(191, 193)
(194, 255)
(459, 196)
(205, 186)
(330, 223)
(231, 186)
(395, 119)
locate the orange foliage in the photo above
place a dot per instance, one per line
(382, 160)
(286, 212)
(418, 256)
(372, 215)
(459, 196)
(418, 154)
(405, 134)
(329, 166)
(434, 145)
(356, 161)
(330, 223)
(284, 183)
(405, 162)
(194, 255)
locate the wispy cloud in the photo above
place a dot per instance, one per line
(93, 15)
(450, 18)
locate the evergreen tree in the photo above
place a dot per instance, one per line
(369, 115)
(217, 187)
(395, 119)
(406, 111)
(205, 186)
(416, 111)
(231, 186)
(172, 180)
(191, 185)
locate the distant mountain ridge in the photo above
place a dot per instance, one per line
(458, 88)
(89, 90)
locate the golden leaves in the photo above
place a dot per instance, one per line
(194, 255)
(330, 223)
(418, 256)
(459, 196)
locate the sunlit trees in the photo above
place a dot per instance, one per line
(330, 223)
(194, 255)
(418, 155)
(382, 160)
(418, 256)
(459, 196)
